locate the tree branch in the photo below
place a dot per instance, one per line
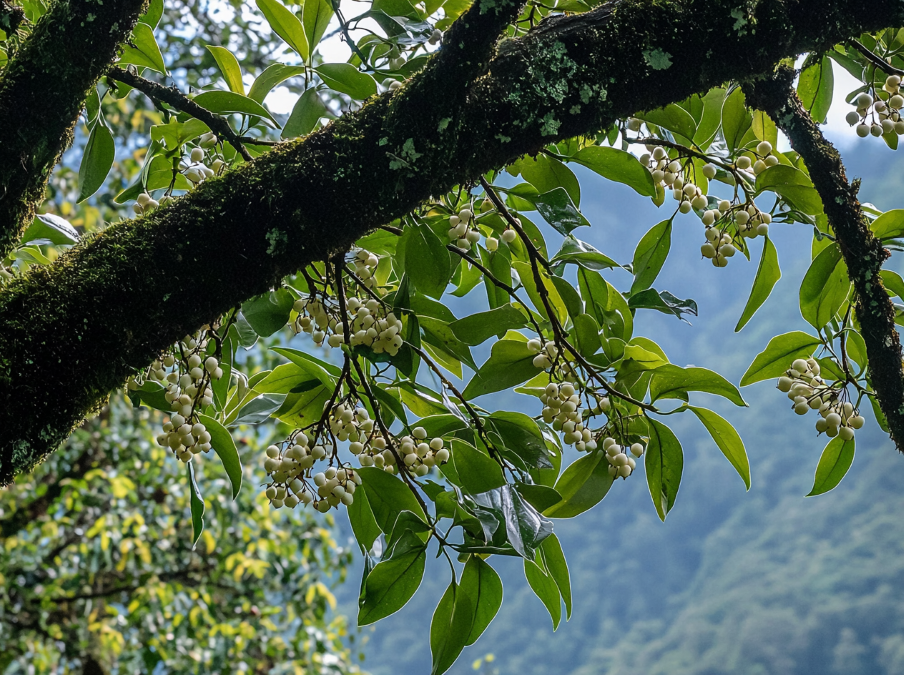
(862, 252)
(175, 98)
(42, 93)
(73, 331)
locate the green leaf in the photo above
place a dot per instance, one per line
(582, 486)
(581, 253)
(449, 628)
(664, 302)
(674, 118)
(728, 440)
(520, 437)
(52, 229)
(100, 150)
(650, 255)
(547, 173)
(559, 210)
(427, 262)
(672, 381)
(528, 280)
(793, 185)
(664, 461)
(274, 74)
(778, 356)
(308, 110)
(267, 313)
(545, 589)
(142, 49)
(285, 24)
(767, 275)
(889, 225)
(315, 17)
(482, 585)
(305, 407)
(525, 528)
(223, 444)
(362, 520)
(815, 89)
(541, 497)
(153, 13)
(478, 471)
(345, 78)
(176, 134)
(833, 465)
(619, 166)
(736, 119)
(510, 364)
(824, 288)
(258, 409)
(321, 369)
(197, 505)
(390, 585)
(477, 328)
(227, 102)
(557, 567)
(388, 497)
(229, 66)
(587, 334)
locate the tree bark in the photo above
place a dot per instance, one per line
(862, 252)
(73, 331)
(42, 93)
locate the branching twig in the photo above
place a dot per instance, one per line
(875, 59)
(172, 96)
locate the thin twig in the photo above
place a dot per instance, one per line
(876, 60)
(175, 98)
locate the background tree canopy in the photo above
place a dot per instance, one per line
(335, 308)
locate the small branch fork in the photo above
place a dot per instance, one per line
(862, 251)
(175, 98)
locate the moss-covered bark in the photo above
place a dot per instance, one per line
(42, 92)
(71, 332)
(862, 252)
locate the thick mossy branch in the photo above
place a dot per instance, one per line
(73, 331)
(862, 252)
(42, 93)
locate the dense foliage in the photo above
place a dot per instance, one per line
(387, 423)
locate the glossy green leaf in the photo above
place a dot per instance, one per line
(736, 119)
(269, 312)
(274, 74)
(481, 583)
(824, 288)
(229, 67)
(581, 253)
(228, 102)
(478, 471)
(197, 505)
(816, 87)
(547, 173)
(388, 497)
(391, 585)
(449, 628)
(153, 13)
(663, 464)
(767, 275)
(51, 228)
(671, 381)
(557, 567)
(889, 225)
(510, 364)
(674, 118)
(544, 588)
(97, 160)
(345, 78)
(582, 486)
(315, 17)
(427, 262)
(558, 209)
(520, 436)
(728, 440)
(285, 24)
(224, 445)
(477, 328)
(619, 166)
(362, 520)
(650, 255)
(142, 50)
(308, 110)
(793, 185)
(834, 463)
(778, 356)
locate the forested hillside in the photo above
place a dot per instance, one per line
(765, 582)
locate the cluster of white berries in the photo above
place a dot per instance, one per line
(669, 173)
(187, 381)
(369, 324)
(883, 110)
(463, 231)
(546, 352)
(810, 392)
(197, 171)
(763, 159)
(365, 263)
(562, 408)
(419, 453)
(621, 463)
(749, 221)
(145, 203)
(290, 468)
(435, 36)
